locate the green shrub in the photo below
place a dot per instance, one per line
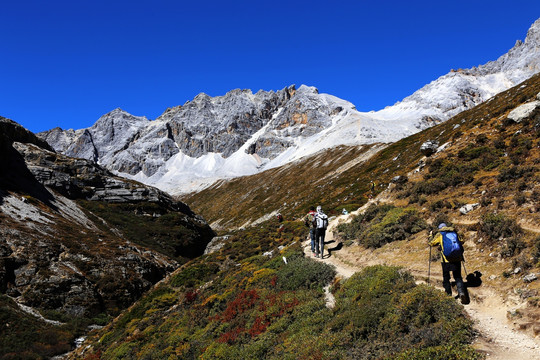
(429, 187)
(383, 312)
(348, 207)
(304, 273)
(520, 199)
(440, 204)
(514, 173)
(194, 275)
(512, 247)
(382, 224)
(423, 316)
(481, 139)
(499, 143)
(451, 172)
(536, 249)
(498, 226)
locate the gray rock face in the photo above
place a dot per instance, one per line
(81, 178)
(429, 147)
(224, 123)
(41, 272)
(216, 244)
(524, 111)
(128, 144)
(55, 255)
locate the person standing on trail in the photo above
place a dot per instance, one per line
(451, 258)
(309, 221)
(321, 220)
(371, 189)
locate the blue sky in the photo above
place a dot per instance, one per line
(66, 63)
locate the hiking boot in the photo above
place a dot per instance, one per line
(464, 297)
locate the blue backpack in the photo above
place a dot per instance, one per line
(452, 248)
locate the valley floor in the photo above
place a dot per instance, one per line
(499, 338)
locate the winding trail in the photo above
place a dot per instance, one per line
(497, 337)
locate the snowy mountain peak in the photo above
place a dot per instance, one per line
(533, 35)
(241, 133)
(119, 116)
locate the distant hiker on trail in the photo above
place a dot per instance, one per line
(279, 217)
(451, 257)
(322, 223)
(371, 189)
(309, 221)
(345, 212)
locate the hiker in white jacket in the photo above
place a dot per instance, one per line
(322, 223)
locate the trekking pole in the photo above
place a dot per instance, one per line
(464, 268)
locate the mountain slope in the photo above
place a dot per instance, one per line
(258, 296)
(78, 244)
(483, 177)
(340, 177)
(242, 133)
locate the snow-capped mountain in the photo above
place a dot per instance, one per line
(241, 133)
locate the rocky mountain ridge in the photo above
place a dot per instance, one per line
(77, 242)
(242, 133)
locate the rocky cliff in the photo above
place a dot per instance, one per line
(78, 240)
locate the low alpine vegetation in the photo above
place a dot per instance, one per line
(245, 311)
(382, 224)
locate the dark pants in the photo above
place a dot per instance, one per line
(455, 268)
(312, 237)
(319, 241)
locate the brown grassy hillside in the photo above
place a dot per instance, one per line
(340, 177)
(487, 160)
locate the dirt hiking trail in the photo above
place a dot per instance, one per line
(498, 338)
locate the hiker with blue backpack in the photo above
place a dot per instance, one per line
(321, 221)
(451, 257)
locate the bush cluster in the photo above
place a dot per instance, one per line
(498, 226)
(264, 308)
(382, 224)
(304, 273)
(515, 172)
(536, 250)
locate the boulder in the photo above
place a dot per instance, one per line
(468, 208)
(400, 179)
(429, 147)
(216, 244)
(524, 111)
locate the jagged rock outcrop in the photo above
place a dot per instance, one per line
(57, 255)
(429, 147)
(10, 131)
(524, 111)
(81, 178)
